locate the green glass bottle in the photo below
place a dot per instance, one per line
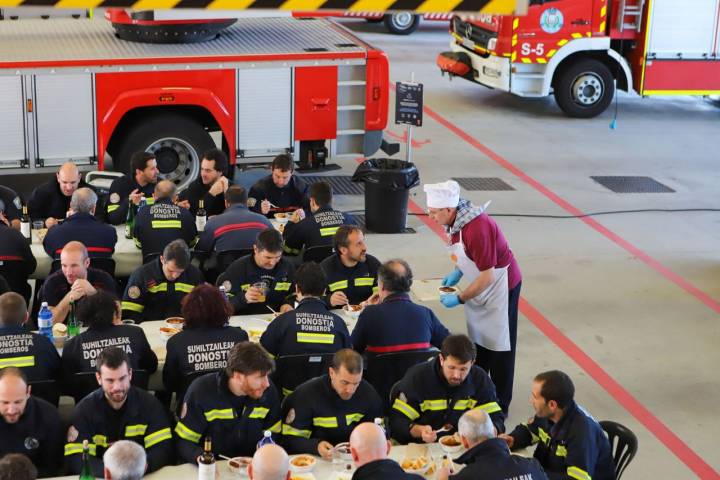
(73, 327)
(130, 220)
(86, 471)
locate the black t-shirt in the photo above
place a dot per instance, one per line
(10, 204)
(56, 285)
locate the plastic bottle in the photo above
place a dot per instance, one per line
(266, 440)
(45, 321)
(86, 470)
(224, 292)
(73, 327)
(130, 220)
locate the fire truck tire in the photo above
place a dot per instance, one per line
(584, 89)
(177, 141)
(401, 23)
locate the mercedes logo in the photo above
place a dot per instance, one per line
(468, 30)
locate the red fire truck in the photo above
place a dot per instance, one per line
(72, 90)
(581, 50)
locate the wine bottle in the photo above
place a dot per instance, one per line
(206, 462)
(25, 224)
(200, 216)
(130, 220)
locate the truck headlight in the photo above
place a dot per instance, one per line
(492, 43)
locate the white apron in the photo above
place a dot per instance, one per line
(486, 314)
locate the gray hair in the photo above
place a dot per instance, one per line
(476, 426)
(125, 460)
(83, 200)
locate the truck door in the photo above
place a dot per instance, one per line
(12, 118)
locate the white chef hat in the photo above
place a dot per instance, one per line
(443, 194)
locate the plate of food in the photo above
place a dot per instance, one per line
(447, 290)
(302, 463)
(238, 465)
(175, 322)
(353, 311)
(450, 444)
(418, 465)
(167, 332)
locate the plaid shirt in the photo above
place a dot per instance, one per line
(466, 213)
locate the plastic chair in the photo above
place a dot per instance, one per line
(47, 390)
(292, 370)
(386, 369)
(623, 443)
(317, 254)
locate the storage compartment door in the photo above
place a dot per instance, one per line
(682, 30)
(264, 111)
(12, 132)
(65, 118)
(316, 103)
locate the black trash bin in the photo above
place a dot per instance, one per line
(387, 184)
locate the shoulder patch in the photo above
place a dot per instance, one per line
(251, 202)
(290, 416)
(115, 197)
(227, 284)
(134, 292)
(31, 443)
(183, 411)
(18, 203)
(72, 434)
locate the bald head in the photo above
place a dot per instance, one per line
(68, 177)
(368, 443)
(164, 189)
(270, 462)
(394, 276)
(74, 261)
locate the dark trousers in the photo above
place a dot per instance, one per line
(501, 365)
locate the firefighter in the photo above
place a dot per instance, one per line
(51, 200)
(10, 207)
(281, 191)
(210, 186)
(19, 347)
(161, 223)
(261, 279)
(396, 324)
(81, 225)
(435, 394)
(155, 290)
(234, 406)
(318, 228)
(570, 443)
(351, 273)
(370, 448)
(118, 411)
(130, 188)
(17, 259)
(29, 425)
(322, 412)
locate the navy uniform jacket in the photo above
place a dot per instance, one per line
(159, 224)
(198, 350)
(385, 469)
(358, 282)
(288, 199)
(56, 285)
(47, 200)
(314, 412)
(397, 325)
(235, 423)
(10, 204)
(31, 352)
(243, 272)
(424, 397)
(491, 460)
(574, 448)
(38, 435)
(315, 230)
(142, 419)
(235, 229)
(98, 238)
(120, 190)
(151, 296)
(15, 251)
(196, 191)
(4, 285)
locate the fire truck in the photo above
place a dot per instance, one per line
(582, 50)
(74, 89)
(399, 23)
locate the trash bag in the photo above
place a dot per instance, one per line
(387, 173)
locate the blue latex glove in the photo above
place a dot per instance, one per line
(452, 278)
(451, 300)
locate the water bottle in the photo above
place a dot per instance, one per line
(266, 440)
(45, 321)
(223, 292)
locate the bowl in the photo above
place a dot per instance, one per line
(282, 218)
(418, 465)
(302, 463)
(447, 290)
(353, 311)
(238, 465)
(254, 334)
(450, 444)
(175, 322)
(167, 332)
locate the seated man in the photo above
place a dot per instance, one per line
(370, 449)
(436, 393)
(29, 425)
(162, 222)
(21, 348)
(118, 411)
(82, 226)
(322, 412)
(155, 290)
(210, 186)
(74, 281)
(487, 457)
(351, 273)
(270, 462)
(318, 228)
(262, 279)
(281, 191)
(570, 443)
(10, 207)
(234, 406)
(51, 200)
(396, 324)
(124, 460)
(130, 188)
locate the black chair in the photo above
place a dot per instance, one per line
(225, 258)
(385, 369)
(317, 254)
(151, 257)
(16, 274)
(292, 370)
(47, 390)
(84, 383)
(623, 444)
(187, 380)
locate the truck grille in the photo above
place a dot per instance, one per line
(478, 35)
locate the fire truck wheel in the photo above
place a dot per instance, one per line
(178, 143)
(401, 23)
(584, 89)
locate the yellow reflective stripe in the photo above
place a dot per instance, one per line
(561, 451)
(405, 409)
(351, 418)
(490, 407)
(324, 338)
(543, 436)
(183, 287)
(160, 287)
(187, 434)
(220, 414)
(328, 231)
(286, 391)
(465, 404)
(157, 437)
(18, 361)
(149, 201)
(282, 286)
(338, 285)
(364, 281)
(112, 208)
(100, 440)
(259, 412)
(434, 405)
(291, 251)
(375, 289)
(277, 428)
(535, 438)
(157, 224)
(288, 430)
(325, 422)
(75, 448)
(132, 306)
(578, 473)
(135, 430)
(244, 286)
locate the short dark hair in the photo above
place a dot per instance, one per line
(321, 192)
(138, 160)
(556, 385)
(395, 275)
(283, 162)
(16, 466)
(97, 310)
(248, 358)
(236, 195)
(220, 159)
(341, 238)
(112, 358)
(13, 372)
(12, 309)
(269, 240)
(310, 279)
(178, 252)
(205, 306)
(459, 346)
(348, 358)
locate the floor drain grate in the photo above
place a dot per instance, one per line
(622, 184)
(341, 184)
(474, 184)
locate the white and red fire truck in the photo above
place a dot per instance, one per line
(581, 50)
(71, 90)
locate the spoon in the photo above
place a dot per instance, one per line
(445, 428)
(273, 311)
